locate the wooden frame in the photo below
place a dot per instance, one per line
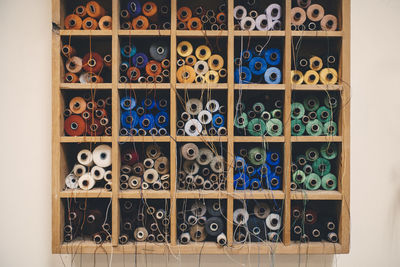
(285, 247)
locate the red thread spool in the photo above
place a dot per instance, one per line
(133, 73)
(100, 113)
(74, 125)
(87, 115)
(93, 63)
(153, 68)
(130, 156)
(94, 128)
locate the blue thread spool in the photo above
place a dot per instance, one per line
(129, 119)
(273, 182)
(273, 75)
(128, 103)
(128, 50)
(241, 181)
(258, 66)
(162, 104)
(273, 56)
(140, 60)
(240, 163)
(162, 119)
(246, 56)
(242, 74)
(273, 158)
(255, 184)
(251, 170)
(134, 8)
(264, 170)
(146, 122)
(148, 103)
(218, 120)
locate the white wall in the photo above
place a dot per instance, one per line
(25, 112)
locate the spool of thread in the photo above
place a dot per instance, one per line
(191, 61)
(296, 77)
(217, 164)
(330, 128)
(274, 127)
(74, 64)
(243, 75)
(329, 23)
(203, 52)
(97, 173)
(201, 67)
(198, 233)
(298, 127)
(246, 56)
(184, 49)
(239, 12)
(140, 60)
(328, 76)
(273, 12)
(273, 56)
(299, 177)
(105, 23)
(128, 50)
(321, 166)
(194, 23)
(184, 14)
(315, 12)
(241, 181)
(256, 127)
(205, 117)
(313, 182)
(214, 226)
(257, 156)
(86, 182)
(247, 24)
(72, 22)
(89, 24)
(159, 51)
(298, 16)
(215, 62)
(185, 74)
(297, 110)
(240, 216)
(241, 121)
(162, 165)
(262, 23)
(329, 182)
(80, 11)
(74, 125)
(329, 151)
(273, 75)
(102, 156)
(273, 222)
(257, 66)
(314, 128)
(94, 10)
(221, 239)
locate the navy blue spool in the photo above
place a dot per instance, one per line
(264, 175)
(257, 229)
(273, 75)
(162, 124)
(148, 107)
(273, 56)
(136, 58)
(271, 161)
(215, 116)
(241, 181)
(151, 121)
(246, 60)
(134, 8)
(239, 72)
(159, 107)
(129, 119)
(270, 186)
(132, 51)
(258, 66)
(255, 184)
(249, 173)
(238, 158)
(128, 103)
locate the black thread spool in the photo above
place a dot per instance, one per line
(257, 229)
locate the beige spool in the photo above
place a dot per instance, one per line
(191, 167)
(86, 181)
(138, 169)
(145, 185)
(157, 185)
(134, 182)
(165, 185)
(298, 16)
(203, 52)
(311, 77)
(328, 76)
(316, 63)
(97, 173)
(215, 62)
(162, 165)
(108, 186)
(74, 64)
(184, 49)
(150, 176)
(296, 77)
(205, 155)
(222, 73)
(198, 180)
(217, 164)
(140, 234)
(190, 151)
(79, 170)
(211, 77)
(198, 233)
(315, 12)
(153, 151)
(262, 210)
(148, 163)
(329, 23)
(201, 67)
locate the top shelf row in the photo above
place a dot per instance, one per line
(198, 18)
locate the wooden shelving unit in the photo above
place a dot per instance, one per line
(286, 195)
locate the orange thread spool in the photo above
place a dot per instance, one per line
(94, 78)
(68, 51)
(90, 24)
(94, 128)
(153, 68)
(73, 22)
(74, 125)
(133, 73)
(140, 23)
(127, 25)
(71, 78)
(181, 25)
(94, 10)
(165, 63)
(105, 23)
(77, 105)
(221, 18)
(194, 24)
(94, 63)
(150, 10)
(100, 113)
(80, 11)
(184, 14)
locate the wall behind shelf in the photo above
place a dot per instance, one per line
(25, 140)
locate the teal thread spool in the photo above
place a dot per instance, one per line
(266, 116)
(241, 121)
(313, 182)
(312, 154)
(307, 169)
(314, 128)
(257, 156)
(329, 151)
(258, 107)
(299, 177)
(329, 182)
(276, 114)
(301, 160)
(274, 127)
(256, 127)
(331, 102)
(321, 166)
(324, 114)
(297, 110)
(298, 128)
(311, 103)
(330, 128)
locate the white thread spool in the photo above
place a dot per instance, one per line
(86, 181)
(79, 170)
(194, 106)
(205, 117)
(85, 157)
(273, 12)
(212, 106)
(239, 12)
(97, 173)
(273, 221)
(108, 176)
(240, 216)
(247, 24)
(193, 127)
(221, 239)
(71, 181)
(262, 23)
(184, 238)
(102, 156)
(201, 67)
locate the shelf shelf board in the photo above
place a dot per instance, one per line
(254, 86)
(198, 86)
(316, 139)
(318, 87)
(256, 139)
(145, 86)
(86, 139)
(152, 33)
(258, 194)
(145, 139)
(93, 193)
(318, 33)
(315, 195)
(187, 33)
(156, 194)
(86, 86)
(199, 194)
(201, 138)
(86, 33)
(259, 33)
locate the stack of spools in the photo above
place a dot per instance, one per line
(256, 169)
(315, 70)
(87, 217)
(89, 68)
(152, 172)
(312, 17)
(263, 222)
(257, 121)
(148, 15)
(203, 221)
(198, 121)
(313, 170)
(313, 224)
(151, 117)
(248, 19)
(200, 18)
(84, 116)
(202, 67)
(201, 168)
(258, 66)
(92, 168)
(313, 117)
(89, 17)
(147, 221)
(141, 68)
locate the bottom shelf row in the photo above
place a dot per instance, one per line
(149, 220)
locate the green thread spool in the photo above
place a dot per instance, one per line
(311, 103)
(258, 107)
(307, 169)
(330, 128)
(312, 154)
(329, 182)
(241, 121)
(240, 106)
(329, 151)
(324, 114)
(266, 116)
(277, 114)
(331, 102)
(313, 182)
(321, 166)
(297, 110)
(314, 128)
(298, 128)
(256, 127)
(299, 177)
(301, 160)
(257, 156)
(274, 127)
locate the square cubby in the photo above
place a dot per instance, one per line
(144, 112)
(259, 60)
(257, 220)
(202, 60)
(252, 15)
(86, 60)
(315, 221)
(321, 16)
(145, 15)
(86, 166)
(197, 15)
(144, 220)
(86, 15)
(316, 61)
(258, 166)
(315, 113)
(315, 166)
(145, 165)
(258, 113)
(200, 220)
(86, 219)
(86, 113)
(144, 59)
(201, 113)
(201, 166)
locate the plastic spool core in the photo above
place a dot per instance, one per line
(248, 23)
(278, 170)
(315, 128)
(313, 182)
(297, 16)
(309, 217)
(334, 238)
(202, 52)
(297, 229)
(315, 13)
(194, 24)
(184, 14)
(299, 178)
(257, 127)
(308, 169)
(275, 128)
(215, 62)
(274, 222)
(312, 77)
(316, 63)
(239, 12)
(160, 50)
